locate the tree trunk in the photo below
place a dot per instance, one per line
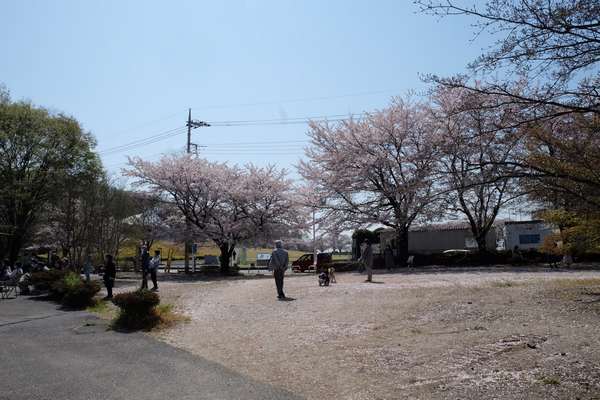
(15, 244)
(481, 242)
(402, 245)
(15, 247)
(226, 253)
(3, 246)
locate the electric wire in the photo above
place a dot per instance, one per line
(260, 122)
(323, 118)
(143, 141)
(241, 105)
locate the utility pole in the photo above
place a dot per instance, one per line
(190, 124)
(314, 224)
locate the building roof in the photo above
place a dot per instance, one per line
(460, 225)
(534, 221)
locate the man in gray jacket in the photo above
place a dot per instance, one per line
(279, 263)
(366, 259)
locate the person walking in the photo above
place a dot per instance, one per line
(110, 274)
(145, 266)
(388, 255)
(279, 264)
(154, 264)
(88, 267)
(366, 259)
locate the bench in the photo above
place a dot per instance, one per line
(9, 287)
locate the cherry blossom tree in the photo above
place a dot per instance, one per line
(377, 170)
(477, 156)
(228, 204)
(552, 46)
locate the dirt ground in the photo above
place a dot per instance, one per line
(437, 334)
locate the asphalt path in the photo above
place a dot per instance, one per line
(48, 353)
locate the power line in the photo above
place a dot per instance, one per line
(161, 153)
(144, 124)
(252, 143)
(252, 150)
(144, 141)
(258, 103)
(288, 121)
(264, 122)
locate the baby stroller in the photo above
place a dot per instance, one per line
(324, 279)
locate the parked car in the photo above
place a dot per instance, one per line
(306, 262)
(452, 252)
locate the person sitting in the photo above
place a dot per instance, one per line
(16, 272)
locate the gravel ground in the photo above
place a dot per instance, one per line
(473, 334)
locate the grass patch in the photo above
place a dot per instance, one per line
(568, 283)
(168, 317)
(503, 284)
(550, 380)
(104, 309)
(128, 249)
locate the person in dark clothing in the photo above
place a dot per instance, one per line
(110, 273)
(279, 263)
(145, 267)
(388, 255)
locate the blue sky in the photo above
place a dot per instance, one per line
(130, 69)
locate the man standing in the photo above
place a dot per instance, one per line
(145, 266)
(388, 254)
(279, 263)
(110, 274)
(88, 267)
(154, 264)
(366, 259)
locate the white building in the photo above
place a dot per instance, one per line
(504, 235)
(436, 238)
(524, 234)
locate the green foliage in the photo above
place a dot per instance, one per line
(42, 281)
(137, 310)
(81, 295)
(71, 280)
(578, 234)
(74, 292)
(564, 155)
(42, 153)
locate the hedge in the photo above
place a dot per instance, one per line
(137, 310)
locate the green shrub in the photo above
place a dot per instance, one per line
(42, 281)
(81, 295)
(137, 310)
(57, 290)
(74, 292)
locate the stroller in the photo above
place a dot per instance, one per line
(324, 278)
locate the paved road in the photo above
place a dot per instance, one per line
(46, 353)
